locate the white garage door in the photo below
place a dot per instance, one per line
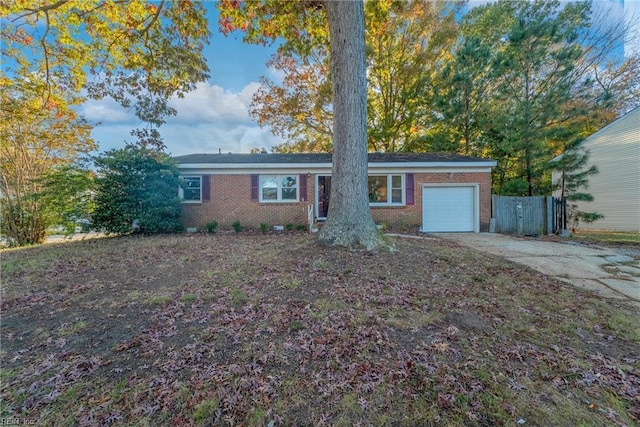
(448, 209)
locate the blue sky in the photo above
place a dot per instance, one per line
(211, 118)
(215, 116)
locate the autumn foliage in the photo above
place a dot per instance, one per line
(56, 55)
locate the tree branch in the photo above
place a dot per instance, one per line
(44, 9)
(43, 41)
(154, 19)
(99, 6)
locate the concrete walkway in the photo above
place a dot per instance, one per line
(57, 238)
(613, 273)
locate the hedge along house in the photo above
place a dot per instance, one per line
(429, 192)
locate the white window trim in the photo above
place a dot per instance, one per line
(181, 190)
(403, 190)
(279, 198)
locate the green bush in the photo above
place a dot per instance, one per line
(289, 226)
(136, 191)
(301, 227)
(60, 199)
(211, 226)
(237, 227)
(264, 227)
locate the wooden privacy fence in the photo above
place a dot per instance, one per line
(528, 216)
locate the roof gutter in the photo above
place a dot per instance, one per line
(370, 165)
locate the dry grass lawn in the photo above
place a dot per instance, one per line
(255, 330)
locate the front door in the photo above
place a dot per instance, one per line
(324, 191)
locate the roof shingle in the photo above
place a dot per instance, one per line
(310, 158)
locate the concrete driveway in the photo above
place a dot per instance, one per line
(613, 273)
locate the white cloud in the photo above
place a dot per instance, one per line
(212, 103)
(210, 138)
(209, 119)
(275, 75)
(106, 111)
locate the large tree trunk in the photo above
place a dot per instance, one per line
(349, 221)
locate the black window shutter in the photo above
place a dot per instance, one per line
(206, 187)
(409, 185)
(254, 187)
(303, 187)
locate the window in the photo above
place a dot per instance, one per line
(191, 189)
(386, 190)
(278, 188)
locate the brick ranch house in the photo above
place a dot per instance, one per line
(429, 192)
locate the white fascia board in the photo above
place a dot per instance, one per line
(325, 168)
(450, 169)
(218, 166)
(432, 165)
(250, 168)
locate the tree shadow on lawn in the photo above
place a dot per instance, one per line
(248, 329)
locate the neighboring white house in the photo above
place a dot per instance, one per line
(615, 151)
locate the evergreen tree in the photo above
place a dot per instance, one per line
(463, 98)
(551, 76)
(136, 191)
(535, 67)
(573, 182)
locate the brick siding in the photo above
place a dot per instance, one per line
(231, 201)
(410, 217)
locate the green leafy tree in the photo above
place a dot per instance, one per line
(38, 137)
(136, 191)
(139, 53)
(68, 197)
(406, 41)
(57, 54)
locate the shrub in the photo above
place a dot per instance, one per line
(61, 199)
(136, 184)
(301, 227)
(237, 227)
(289, 226)
(211, 226)
(264, 227)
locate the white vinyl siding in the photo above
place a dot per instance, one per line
(615, 151)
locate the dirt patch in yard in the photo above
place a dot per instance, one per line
(251, 329)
